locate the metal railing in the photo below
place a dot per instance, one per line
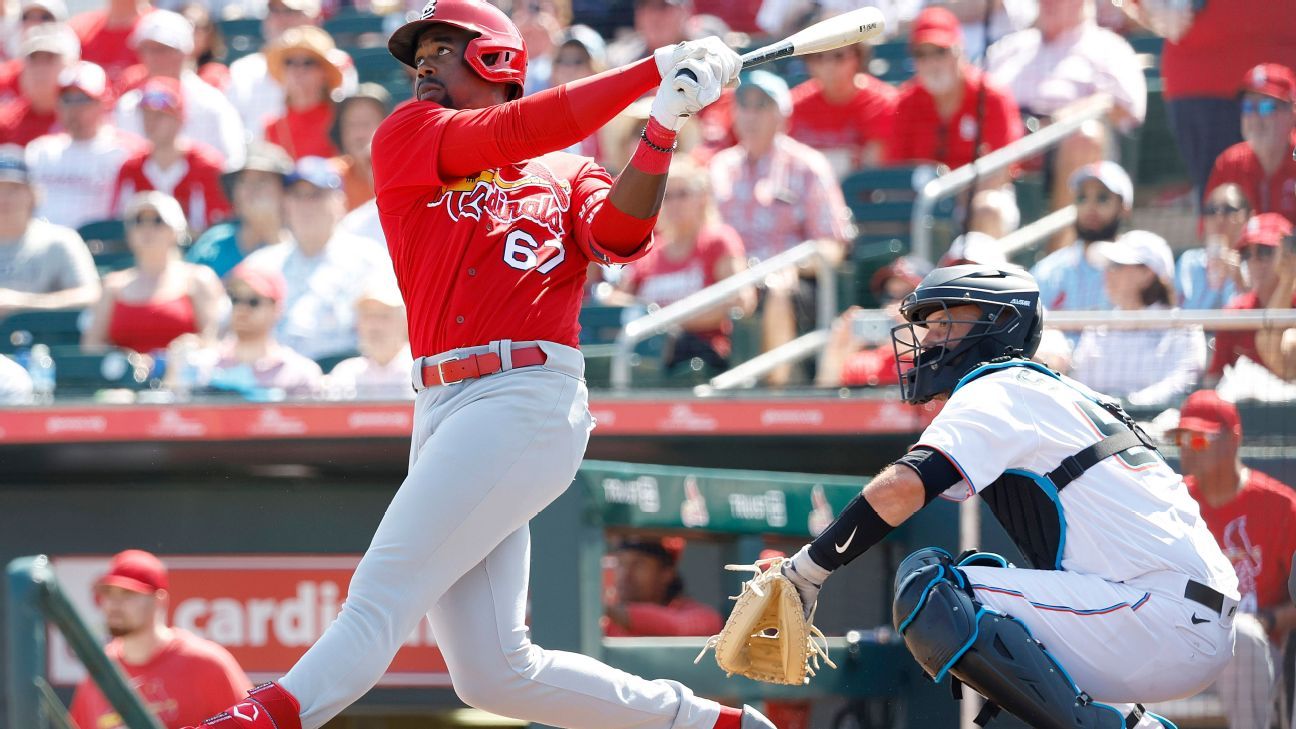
(1030, 235)
(749, 373)
(1212, 320)
(35, 597)
(673, 315)
(962, 178)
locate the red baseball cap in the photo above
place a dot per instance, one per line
(936, 26)
(162, 94)
(266, 282)
(1271, 79)
(1265, 229)
(137, 571)
(1206, 412)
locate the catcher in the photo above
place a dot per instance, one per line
(1127, 597)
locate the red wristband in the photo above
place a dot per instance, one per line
(653, 155)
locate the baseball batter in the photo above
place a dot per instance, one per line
(1127, 598)
(491, 231)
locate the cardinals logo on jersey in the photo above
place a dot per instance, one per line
(508, 195)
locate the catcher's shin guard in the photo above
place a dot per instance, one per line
(267, 706)
(948, 631)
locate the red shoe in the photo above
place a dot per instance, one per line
(268, 706)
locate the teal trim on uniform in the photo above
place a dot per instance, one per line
(1052, 493)
(995, 366)
(1164, 721)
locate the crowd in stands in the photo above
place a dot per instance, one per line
(252, 260)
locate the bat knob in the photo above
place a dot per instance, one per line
(686, 73)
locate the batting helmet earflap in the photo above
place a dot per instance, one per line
(498, 54)
(1010, 323)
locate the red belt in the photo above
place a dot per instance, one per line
(458, 369)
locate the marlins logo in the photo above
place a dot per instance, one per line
(428, 9)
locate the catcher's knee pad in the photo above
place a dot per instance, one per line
(921, 558)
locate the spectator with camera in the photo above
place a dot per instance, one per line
(1262, 163)
(1253, 517)
(1209, 277)
(162, 296)
(180, 676)
(257, 192)
(42, 266)
(1269, 271)
(1145, 367)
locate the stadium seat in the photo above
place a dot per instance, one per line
(242, 37)
(328, 363)
(104, 236)
(80, 373)
(376, 65)
(352, 29)
(53, 328)
(881, 199)
(601, 324)
(110, 261)
(891, 62)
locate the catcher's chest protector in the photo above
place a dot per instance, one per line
(1028, 505)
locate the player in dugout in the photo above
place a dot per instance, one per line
(491, 230)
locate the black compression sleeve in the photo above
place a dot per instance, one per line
(935, 470)
(854, 531)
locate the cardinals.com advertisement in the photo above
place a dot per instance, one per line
(267, 610)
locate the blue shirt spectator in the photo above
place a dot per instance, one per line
(1195, 285)
(1209, 277)
(1067, 280)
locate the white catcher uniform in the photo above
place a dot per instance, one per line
(1113, 612)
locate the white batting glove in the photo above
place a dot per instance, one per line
(679, 97)
(801, 570)
(723, 60)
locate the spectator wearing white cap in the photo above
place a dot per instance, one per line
(31, 13)
(382, 371)
(47, 50)
(105, 34)
(1067, 278)
(42, 265)
(76, 169)
(581, 53)
(777, 192)
(165, 41)
(256, 95)
(325, 267)
(1146, 367)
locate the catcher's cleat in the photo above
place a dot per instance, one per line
(267, 706)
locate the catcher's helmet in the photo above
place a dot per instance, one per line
(498, 53)
(1009, 325)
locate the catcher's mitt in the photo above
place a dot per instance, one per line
(767, 636)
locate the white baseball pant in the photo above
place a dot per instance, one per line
(1246, 687)
(487, 455)
(1122, 643)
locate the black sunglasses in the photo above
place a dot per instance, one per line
(252, 302)
(1262, 253)
(143, 220)
(1212, 210)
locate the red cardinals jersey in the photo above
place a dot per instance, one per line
(1257, 532)
(500, 255)
(1223, 42)
(1273, 194)
(198, 189)
(866, 117)
(19, 123)
(187, 681)
(921, 135)
(108, 47)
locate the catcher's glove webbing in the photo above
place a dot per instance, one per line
(767, 636)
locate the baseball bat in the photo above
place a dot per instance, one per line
(840, 30)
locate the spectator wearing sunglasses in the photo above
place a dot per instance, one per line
(1262, 162)
(161, 297)
(1209, 277)
(841, 110)
(1253, 517)
(187, 170)
(250, 359)
(300, 62)
(1269, 272)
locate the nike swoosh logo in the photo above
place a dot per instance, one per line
(1198, 621)
(842, 547)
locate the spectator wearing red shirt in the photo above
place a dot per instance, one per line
(181, 677)
(186, 170)
(841, 110)
(649, 597)
(949, 113)
(1201, 62)
(31, 13)
(105, 34)
(299, 62)
(1253, 517)
(46, 51)
(1269, 270)
(1262, 163)
(692, 250)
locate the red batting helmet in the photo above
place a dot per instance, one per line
(497, 54)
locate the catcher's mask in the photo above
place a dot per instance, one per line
(930, 359)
